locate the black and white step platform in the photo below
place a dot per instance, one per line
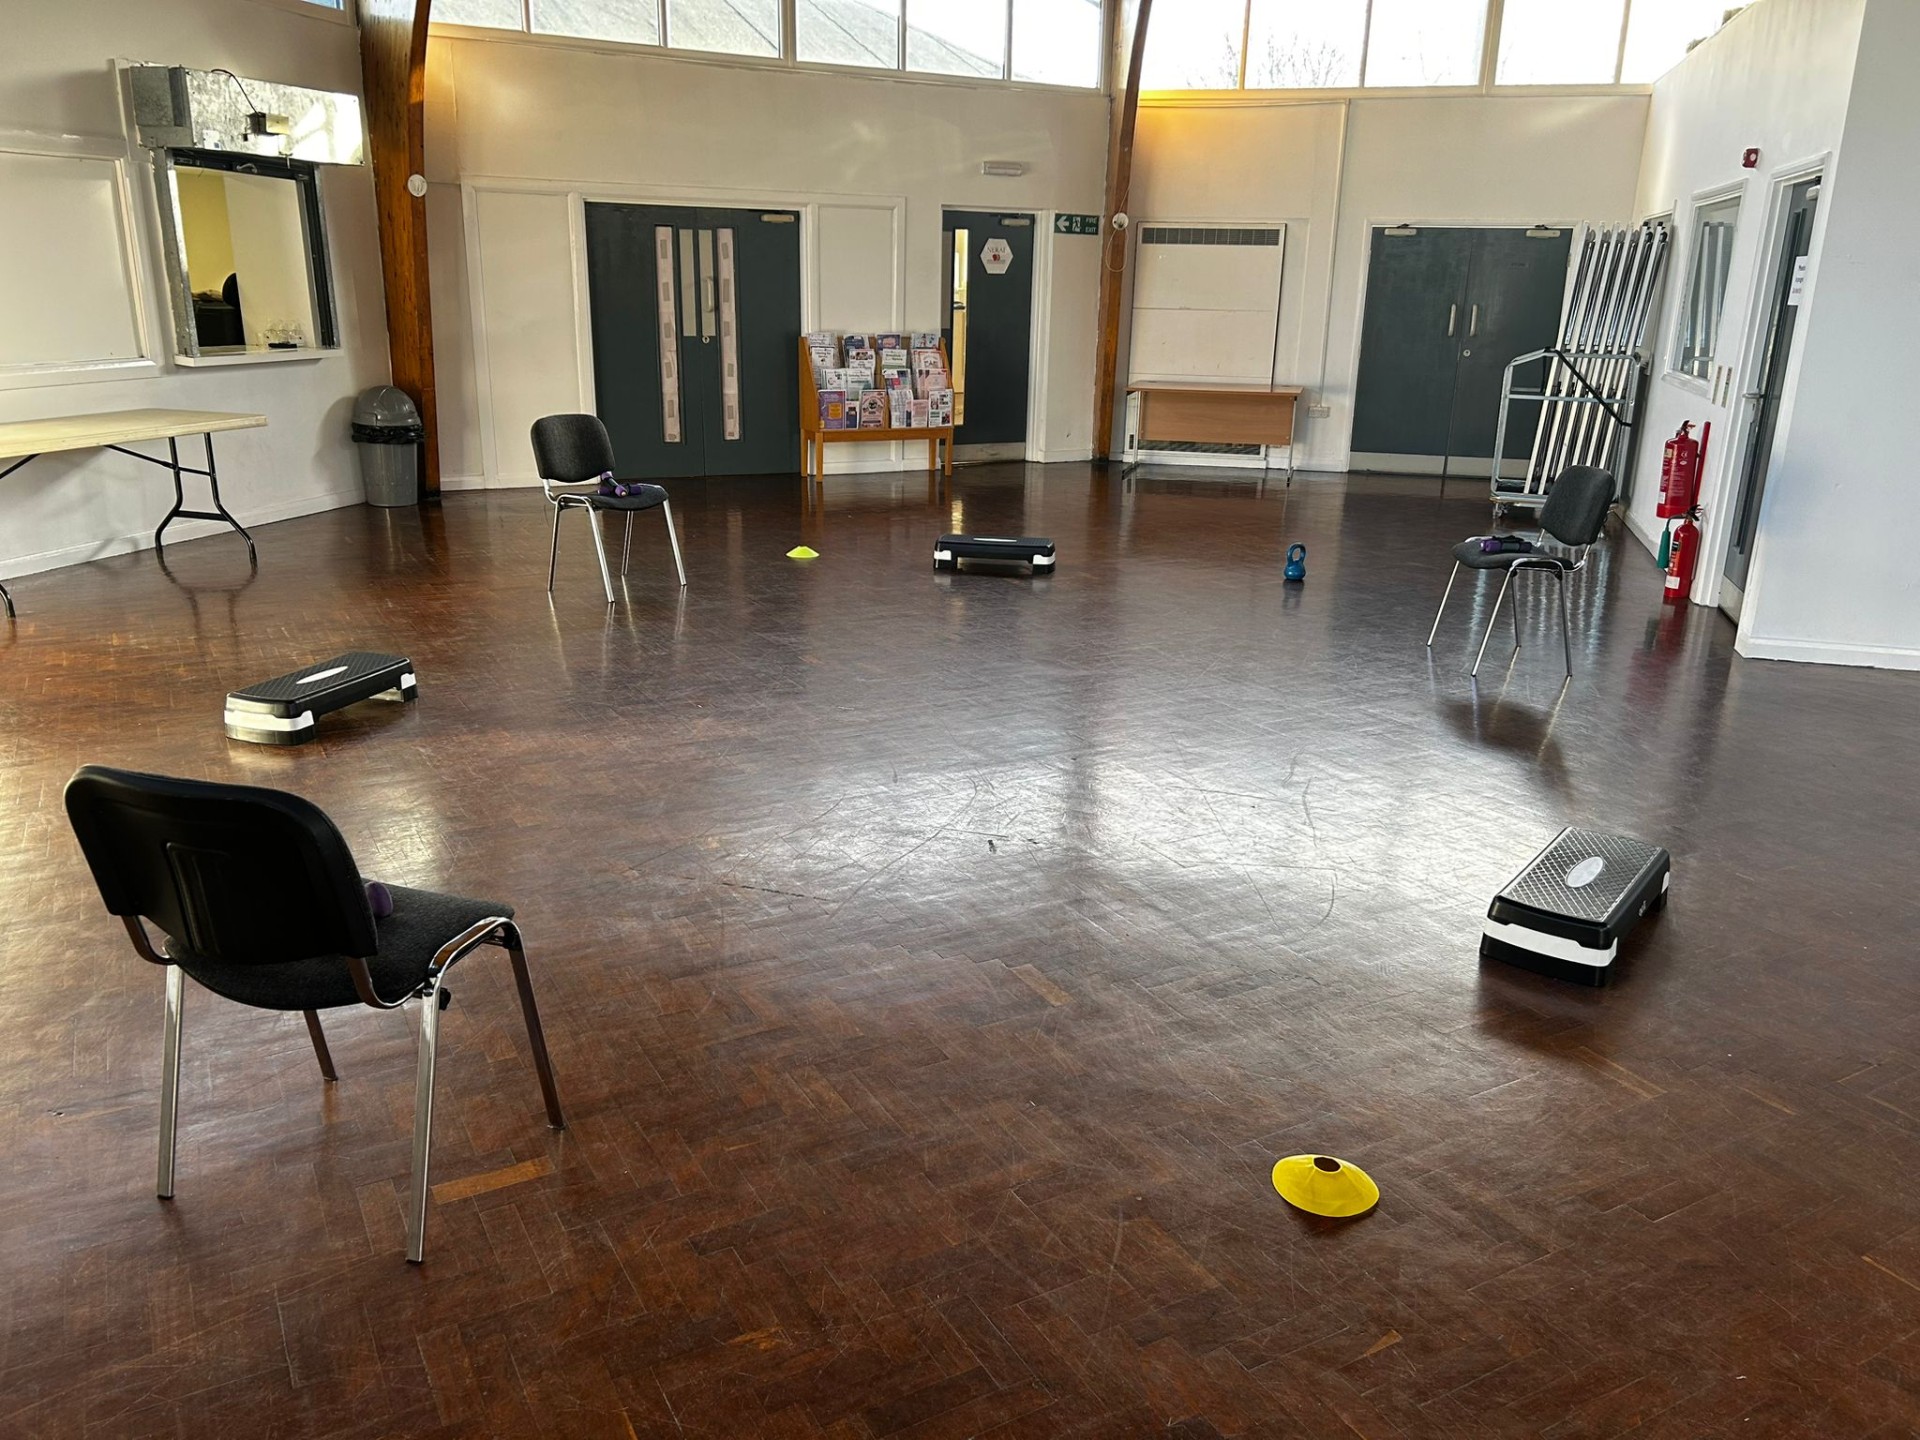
(1565, 913)
(282, 711)
(1025, 550)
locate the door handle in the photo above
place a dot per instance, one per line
(1473, 322)
(1753, 395)
(1453, 314)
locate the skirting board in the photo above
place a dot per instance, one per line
(180, 530)
(1817, 652)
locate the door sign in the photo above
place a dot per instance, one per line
(997, 256)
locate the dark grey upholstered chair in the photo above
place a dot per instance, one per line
(1574, 515)
(572, 453)
(256, 896)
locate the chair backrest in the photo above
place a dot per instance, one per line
(571, 448)
(1576, 508)
(234, 873)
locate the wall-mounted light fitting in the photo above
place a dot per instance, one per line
(1003, 167)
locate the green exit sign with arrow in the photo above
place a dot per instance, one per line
(1076, 224)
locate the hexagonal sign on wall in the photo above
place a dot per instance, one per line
(997, 256)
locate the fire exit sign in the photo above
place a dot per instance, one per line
(1076, 224)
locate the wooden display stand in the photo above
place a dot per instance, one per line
(814, 437)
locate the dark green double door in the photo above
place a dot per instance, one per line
(1447, 309)
(696, 330)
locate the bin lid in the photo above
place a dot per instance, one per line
(385, 406)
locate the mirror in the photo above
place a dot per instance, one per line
(249, 261)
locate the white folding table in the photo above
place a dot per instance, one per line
(115, 430)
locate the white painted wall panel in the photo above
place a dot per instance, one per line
(66, 279)
(857, 252)
(527, 315)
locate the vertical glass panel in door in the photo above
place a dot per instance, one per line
(637, 22)
(1706, 292)
(1305, 44)
(1560, 42)
(957, 37)
(849, 32)
(732, 27)
(1057, 42)
(1426, 42)
(1201, 51)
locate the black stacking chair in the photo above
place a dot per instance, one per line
(573, 454)
(1574, 515)
(256, 896)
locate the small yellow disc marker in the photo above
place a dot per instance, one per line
(802, 552)
(1322, 1185)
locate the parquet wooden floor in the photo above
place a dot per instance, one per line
(934, 968)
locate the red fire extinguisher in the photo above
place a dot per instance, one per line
(1685, 555)
(1679, 473)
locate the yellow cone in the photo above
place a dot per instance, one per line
(802, 552)
(1322, 1185)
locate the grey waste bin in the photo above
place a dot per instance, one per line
(387, 429)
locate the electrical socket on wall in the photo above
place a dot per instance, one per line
(1319, 412)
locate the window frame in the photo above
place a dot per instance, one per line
(1487, 82)
(788, 58)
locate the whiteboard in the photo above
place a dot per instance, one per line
(68, 297)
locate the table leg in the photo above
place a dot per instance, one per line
(179, 510)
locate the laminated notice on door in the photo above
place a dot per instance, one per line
(729, 343)
(1799, 284)
(996, 256)
(669, 336)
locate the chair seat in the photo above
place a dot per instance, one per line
(422, 921)
(638, 497)
(1469, 554)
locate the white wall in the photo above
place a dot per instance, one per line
(1329, 170)
(55, 79)
(1837, 567)
(519, 131)
(1776, 77)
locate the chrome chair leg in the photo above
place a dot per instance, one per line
(1513, 614)
(626, 545)
(1493, 620)
(319, 1038)
(553, 554)
(423, 1122)
(1566, 641)
(673, 539)
(170, 1079)
(600, 549)
(1443, 604)
(536, 1037)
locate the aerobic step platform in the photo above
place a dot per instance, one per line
(1026, 550)
(281, 711)
(1565, 913)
